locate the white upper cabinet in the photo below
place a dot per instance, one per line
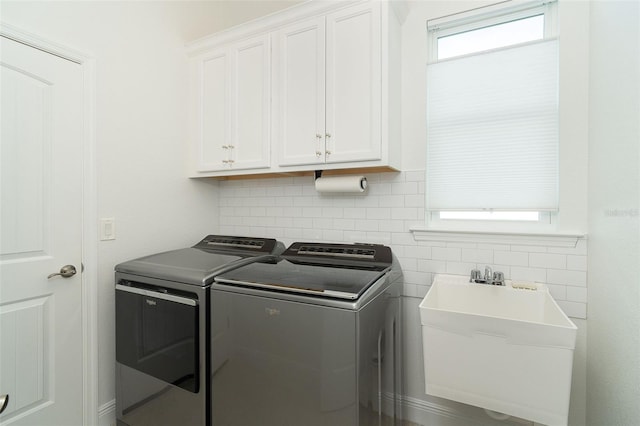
(301, 92)
(330, 88)
(231, 96)
(316, 86)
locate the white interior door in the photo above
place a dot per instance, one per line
(40, 232)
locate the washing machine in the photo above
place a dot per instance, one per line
(163, 329)
(310, 338)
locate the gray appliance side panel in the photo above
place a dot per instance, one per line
(379, 368)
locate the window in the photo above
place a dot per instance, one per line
(492, 118)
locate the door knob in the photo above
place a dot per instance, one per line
(65, 272)
(4, 401)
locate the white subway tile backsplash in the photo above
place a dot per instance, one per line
(403, 238)
(302, 222)
(354, 212)
(293, 191)
(415, 277)
(414, 176)
(379, 188)
(574, 278)
(577, 263)
(404, 213)
(404, 188)
(419, 252)
(310, 212)
(333, 235)
(514, 258)
(284, 222)
(544, 260)
(391, 225)
(275, 191)
(410, 289)
(290, 209)
(559, 292)
(445, 253)
(414, 200)
(528, 274)
(378, 213)
(378, 238)
(573, 309)
(355, 236)
(344, 224)
(433, 266)
(459, 268)
(576, 294)
(408, 263)
(367, 225)
(477, 256)
(462, 245)
(283, 201)
(422, 290)
(322, 223)
(392, 201)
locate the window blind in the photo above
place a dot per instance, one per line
(492, 130)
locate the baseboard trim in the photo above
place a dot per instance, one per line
(413, 409)
(107, 414)
(423, 412)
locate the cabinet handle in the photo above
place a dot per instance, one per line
(318, 136)
(328, 135)
(328, 152)
(318, 153)
(230, 146)
(225, 147)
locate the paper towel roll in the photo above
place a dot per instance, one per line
(341, 184)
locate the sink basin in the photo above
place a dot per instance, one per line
(504, 348)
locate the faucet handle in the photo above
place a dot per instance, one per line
(488, 275)
(498, 278)
(475, 275)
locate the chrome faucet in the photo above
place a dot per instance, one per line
(488, 274)
(492, 278)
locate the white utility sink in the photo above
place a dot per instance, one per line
(503, 348)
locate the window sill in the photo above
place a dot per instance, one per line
(527, 239)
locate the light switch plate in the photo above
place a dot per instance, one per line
(107, 229)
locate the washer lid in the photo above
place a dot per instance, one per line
(314, 280)
(199, 264)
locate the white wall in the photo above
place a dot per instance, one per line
(141, 98)
(613, 353)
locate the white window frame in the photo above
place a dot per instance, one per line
(474, 20)
(489, 16)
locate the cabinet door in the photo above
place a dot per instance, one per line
(212, 111)
(301, 92)
(353, 93)
(250, 104)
